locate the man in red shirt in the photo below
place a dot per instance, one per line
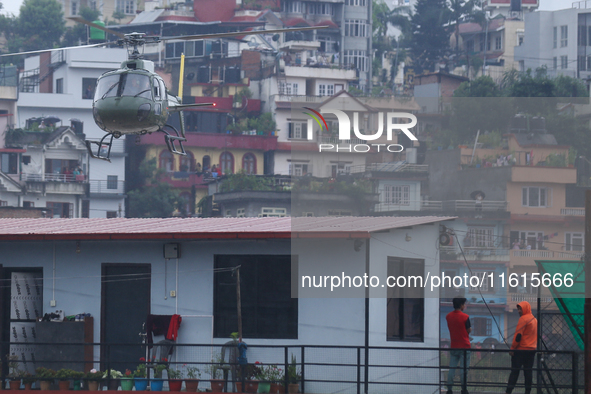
(459, 327)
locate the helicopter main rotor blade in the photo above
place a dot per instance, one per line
(59, 49)
(85, 22)
(240, 33)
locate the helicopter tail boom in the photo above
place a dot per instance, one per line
(180, 107)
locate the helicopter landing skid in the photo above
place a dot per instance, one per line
(170, 142)
(100, 148)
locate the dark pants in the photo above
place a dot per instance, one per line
(525, 359)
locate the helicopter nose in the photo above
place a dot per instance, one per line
(143, 111)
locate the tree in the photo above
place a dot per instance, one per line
(78, 34)
(40, 24)
(430, 40)
(155, 198)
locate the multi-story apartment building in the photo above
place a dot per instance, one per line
(126, 8)
(510, 8)
(559, 40)
(61, 84)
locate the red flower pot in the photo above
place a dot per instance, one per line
(175, 384)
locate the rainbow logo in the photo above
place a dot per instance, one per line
(316, 118)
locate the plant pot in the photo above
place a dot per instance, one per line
(251, 386)
(64, 385)
(45, 385)
(14, 384)
(191, 385)
(277, 388)
(293, 388)
(29, 386)
(126, 384)
(141, 384)
(264, 387)
(93, 385)
(175, 384)
(217, 385)
(77, 384)
(113, 384)
(156, 384)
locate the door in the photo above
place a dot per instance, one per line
(125, 305)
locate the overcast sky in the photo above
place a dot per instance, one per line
(12, 6)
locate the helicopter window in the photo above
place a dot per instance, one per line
(156, 90)
(157, 109)
(107, 87)
(162, 88)
(136, 85)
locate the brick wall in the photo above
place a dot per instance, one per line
(17, 212)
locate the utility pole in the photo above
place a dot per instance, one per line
(588, 293)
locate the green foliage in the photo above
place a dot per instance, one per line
(43, 373)
(94, 374)
(119, 16)
(79, 32)
(40, 24)
(430, 40)
(263, 123)
(242, 181)
(156, 198)
(294, 374)
(556, 160)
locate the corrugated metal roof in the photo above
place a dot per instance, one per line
(209, 228)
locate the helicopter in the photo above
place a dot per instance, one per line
(134, 100)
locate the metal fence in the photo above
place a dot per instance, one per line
(321, 369)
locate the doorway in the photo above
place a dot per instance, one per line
(125, 305)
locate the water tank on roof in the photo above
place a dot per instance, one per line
(77, 125)
(518, 123)
(96, 34)
(538, 124)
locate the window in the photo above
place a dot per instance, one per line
(297, 130)
(61, 209)
(9, 163)
(535, 196)
(126, 6)
(273, 212)
(265, 286)
(405, 308)
(355, 28)
(498, 43)
(288, 88)
(480, 237)
(249, 164)
(88, 85)
(3, 203)
(240, 213)
(339, 169)
(166, 161)
(531, 239)
(320, 8)
(112, 182)
(482, 327)
(28, 204)
(483, 281)
(325, 90)
(326, 44)
(582, 36)
(228, 213)
(563, 62)
(356, 3)
(111, 214)
(73, 8)
(470, 46)
(563, 36)
(555, 40)
(574, 242)
(187, 163)
(582, 63)
(355, 59)
(520, 40)
(299, 169)
(227, 163)
(589, 63)
(398, 195)
(555, 63)
(293, 7)
(523, 288)
(59, 85)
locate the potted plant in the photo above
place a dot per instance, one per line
(175, 379)
(276, 377)
(14, 375)
(77, 377)
(193, 376)
(264, 375)
(249, 376)
(140, 376)
(93, 377)
(157, 383)
(63, 376)
(28, 380)
(294, 376)
(214, 371)
(127, 380)
(112, 377)
(45, 376)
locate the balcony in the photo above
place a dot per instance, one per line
(105, 188)
(227, 104)
(299, 99)
(217, 140)
(474, 253)
(55, 183)
(183, 180)
(473, 205)
(399, 166)
(321, 72)
(572, 211)
(531, 298)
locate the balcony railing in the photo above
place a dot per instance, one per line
(474, 253)
(52, 178)
(391, 167)
(473, 205)
(451, 205)
(107, 187)
(300, 99)
(335, 140)
(531, 298)
(572, 211)
(544, 254)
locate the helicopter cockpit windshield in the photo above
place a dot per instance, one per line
(124, 85)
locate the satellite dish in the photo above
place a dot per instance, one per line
(275, 37)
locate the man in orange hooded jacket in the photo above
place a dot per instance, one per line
(524, 345)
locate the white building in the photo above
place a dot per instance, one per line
(61, 84)
(559, 40)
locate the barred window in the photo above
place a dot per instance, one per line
(399, 195)
(356, 59)
(355, 27)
